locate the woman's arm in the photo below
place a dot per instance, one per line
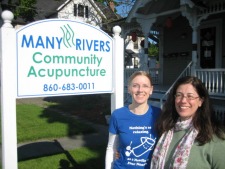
(111, 150)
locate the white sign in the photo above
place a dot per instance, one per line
(63, 57)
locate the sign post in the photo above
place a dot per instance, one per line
(8, 93)
(117, 97)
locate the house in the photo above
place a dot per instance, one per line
(88, 11)
(190, 36)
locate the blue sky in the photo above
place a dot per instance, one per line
(124, 9)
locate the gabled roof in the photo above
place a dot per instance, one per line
(53, 7)
(162, 9)
(47, 8)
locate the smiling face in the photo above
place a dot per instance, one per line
(140, 89)
(187, 101)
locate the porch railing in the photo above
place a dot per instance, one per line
(220, 113)
(214, 80)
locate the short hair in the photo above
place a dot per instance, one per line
(139, 73)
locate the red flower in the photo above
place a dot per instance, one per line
(179, 160)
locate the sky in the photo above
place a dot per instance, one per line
(125, 7)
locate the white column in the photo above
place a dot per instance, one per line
(8, 92)
(117, 97)
(194, 50)
(146, 25)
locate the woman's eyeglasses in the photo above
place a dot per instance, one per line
(180, 96)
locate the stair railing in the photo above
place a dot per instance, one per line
(185, 72)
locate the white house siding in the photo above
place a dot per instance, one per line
(67, 12)
(130, 45)
(176, 46)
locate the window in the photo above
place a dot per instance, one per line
(136, 44)
(86, 11)
(75, 9)
(81, 10)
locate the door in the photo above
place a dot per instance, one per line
(208, 47)
(210, 44)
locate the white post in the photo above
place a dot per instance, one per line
(8, 92)
(146, 27)
(194, 51)
(117, 97)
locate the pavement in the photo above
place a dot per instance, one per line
(42, 148)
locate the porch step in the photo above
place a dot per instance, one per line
(154, 103)
(157, 95)
(154, 99)
(216, 97)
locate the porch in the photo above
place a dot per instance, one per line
(185, 47)
(214, 80)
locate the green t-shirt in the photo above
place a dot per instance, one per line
(209, 156)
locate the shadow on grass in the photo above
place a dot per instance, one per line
(46, 148)
(93, 106)
(38, 149)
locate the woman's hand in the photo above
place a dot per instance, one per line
(117, 155)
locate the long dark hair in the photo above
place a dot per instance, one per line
(204, 121)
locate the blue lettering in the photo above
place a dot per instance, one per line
(102, 46)
(59, 40)
(27, 42)
(48, 42)
(95, 45)
(84, 44)
(89, 44)
(78, 43)
(107, 45)
(39, 42)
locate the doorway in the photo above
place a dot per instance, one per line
(210, 44)
(208, 47)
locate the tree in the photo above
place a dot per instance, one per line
(153, 51)
(21, 8)
(26, 10)
(123, 7)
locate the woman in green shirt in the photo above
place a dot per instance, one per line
(191, 136)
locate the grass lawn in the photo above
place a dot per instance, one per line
(37, 123)
(82, 158)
